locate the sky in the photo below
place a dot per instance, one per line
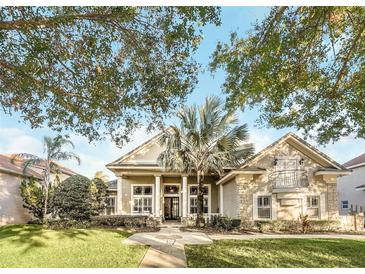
(18, 137)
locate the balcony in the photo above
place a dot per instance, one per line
(289, 180)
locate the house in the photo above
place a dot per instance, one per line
(11, 175)
(351, 188)
(285, 179)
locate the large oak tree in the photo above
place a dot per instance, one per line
(98, 70)
(304, 67)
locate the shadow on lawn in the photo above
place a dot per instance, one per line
(35, 236)
(280, 253)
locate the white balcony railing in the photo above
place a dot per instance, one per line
(289, 179)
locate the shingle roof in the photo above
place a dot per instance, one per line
(6, 165)
(42, 164)
(361, 187)
(359, 160)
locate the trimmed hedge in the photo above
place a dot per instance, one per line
(295, 226)
(225, 223)
(65, 224)
(124, 220)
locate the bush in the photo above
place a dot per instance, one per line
(225, 223)
(297, 226)
(72, 199)
(124, 220)
(33, 197)
(66, 224)
(99, 194)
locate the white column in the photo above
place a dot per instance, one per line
(221, 199)
(157, 195)
(184, 195)
(119, 196)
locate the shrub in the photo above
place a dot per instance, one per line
(33, 197)
(72, 199)
(99, 194)
(305, 223)
(124, 220)
(65, 224)
(224, 223)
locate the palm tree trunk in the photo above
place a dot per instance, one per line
(46, 193)
(200, 203)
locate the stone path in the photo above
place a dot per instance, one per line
(166, 246)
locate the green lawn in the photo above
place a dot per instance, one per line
(32, 246)
(278, 253)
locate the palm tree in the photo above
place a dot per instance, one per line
(53, 151)
(207, 141)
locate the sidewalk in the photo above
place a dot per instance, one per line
(166, 246)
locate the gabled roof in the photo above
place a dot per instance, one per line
(356, 162)
(246, 168)
(301, 142)
(16, 168)
(134, 151)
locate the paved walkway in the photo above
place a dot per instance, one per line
(167, 246)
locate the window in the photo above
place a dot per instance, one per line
(313, 206)
(194, 190)
(193, 199)
(264, 207)
(171, 189)
(110, 206)
(194, 205)
(142, 199)
(345, 204)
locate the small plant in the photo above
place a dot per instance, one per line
(305, 223)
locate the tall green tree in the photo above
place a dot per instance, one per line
(98, 70)
(207, 141)
(53, 151)
(304, 67)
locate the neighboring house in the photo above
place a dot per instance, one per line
(287, 178)
(351, 188)
(11, 175)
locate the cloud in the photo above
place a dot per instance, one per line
(260, 139)
(15, 140)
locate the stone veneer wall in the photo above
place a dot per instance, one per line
(332, 201)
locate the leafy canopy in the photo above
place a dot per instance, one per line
(98, 70)
(304, 67)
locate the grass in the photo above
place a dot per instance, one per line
(33, 246)
(278, 253)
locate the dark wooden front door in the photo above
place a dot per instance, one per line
(171, 208)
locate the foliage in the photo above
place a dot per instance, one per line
(54, 151)
(98, 70)
(67, 224)
(225, 223)
(99, 195)
(302, 225)
(278, 253)
(33, 197)
(304, 67)
(207, 141)
(101, 175)
(72, 199)
(304, 222)
(33, 246)
(123, 220)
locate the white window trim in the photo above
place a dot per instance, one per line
(256, 209)
(319, 206)
(115, 205)
(209, 199)
(348, 205)
(139, 196)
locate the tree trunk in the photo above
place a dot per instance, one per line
(200, 201)
(46, 188)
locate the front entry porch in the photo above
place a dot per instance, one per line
(171, 208)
